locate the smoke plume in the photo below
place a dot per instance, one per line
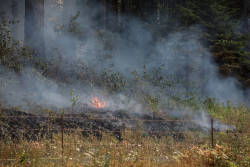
(82, 46)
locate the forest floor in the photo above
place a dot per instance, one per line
(136, 148)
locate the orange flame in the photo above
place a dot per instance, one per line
(97, 103)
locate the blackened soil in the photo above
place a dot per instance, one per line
(21, 125)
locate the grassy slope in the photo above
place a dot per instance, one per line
(136, 149)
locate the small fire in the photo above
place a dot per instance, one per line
(95, 102)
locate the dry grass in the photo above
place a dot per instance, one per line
(135, 150)
(138, 149)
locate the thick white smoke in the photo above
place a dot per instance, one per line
(180, 54)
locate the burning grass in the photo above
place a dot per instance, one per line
(97, 103)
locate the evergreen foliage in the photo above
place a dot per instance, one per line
(225, 33)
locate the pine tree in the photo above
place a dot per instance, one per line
(34, 25)
(220, 18)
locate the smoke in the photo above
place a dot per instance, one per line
(30, 88)
(86, 44)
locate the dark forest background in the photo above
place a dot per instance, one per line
(225, 26)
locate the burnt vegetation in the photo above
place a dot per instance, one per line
(135, 73)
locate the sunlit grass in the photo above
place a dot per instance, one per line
(134, 150)
(138, 148)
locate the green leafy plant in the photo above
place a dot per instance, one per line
(74, 98)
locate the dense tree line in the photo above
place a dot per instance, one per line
(226, 32)
(225, 24)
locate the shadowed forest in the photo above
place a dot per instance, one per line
(125, 83)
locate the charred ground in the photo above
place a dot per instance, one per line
(18, 124)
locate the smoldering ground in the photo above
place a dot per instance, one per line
(80, 49)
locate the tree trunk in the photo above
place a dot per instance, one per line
(34, 25)
(245, 15)
(158, 19)
(119, 14)
(17, 15)
(14, 9)
(104, 20)
(14, 12)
